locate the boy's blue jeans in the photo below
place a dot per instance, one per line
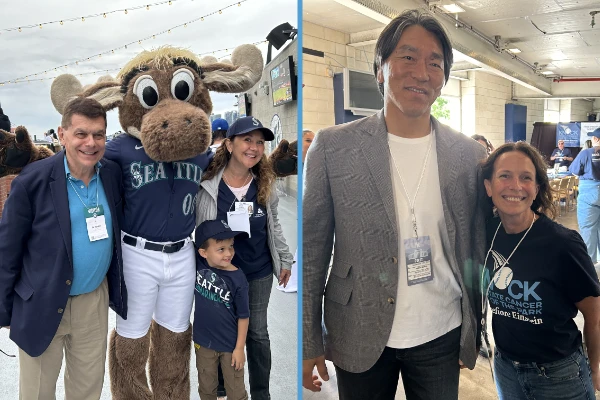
(566, 379)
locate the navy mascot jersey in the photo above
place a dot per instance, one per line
(160, 197)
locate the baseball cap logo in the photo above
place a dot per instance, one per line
(225, 224)
(255, 122)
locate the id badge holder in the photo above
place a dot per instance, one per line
(239, 221)
(96, 223)
(418, 260)
(247, 206)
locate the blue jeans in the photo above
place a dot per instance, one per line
(429, 371)
(258, 345)
(588, 215)
(566, 379)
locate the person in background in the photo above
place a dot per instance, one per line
(561, 155)
(484, 142)
(292, 286)
(537, 276)
(219, 132)
(61, 260)
(587, 166)
(307, 138)
(50, 136)
(4, 121)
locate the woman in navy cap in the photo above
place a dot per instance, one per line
(239, 179)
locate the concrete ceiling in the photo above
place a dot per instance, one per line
(555, 34)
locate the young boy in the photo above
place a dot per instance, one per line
(221, 313)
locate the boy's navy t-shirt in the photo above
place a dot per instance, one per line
(221, 299)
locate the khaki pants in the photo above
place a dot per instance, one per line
(207, 361)
(82, 335)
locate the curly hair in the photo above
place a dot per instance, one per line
(263, 171)
(543, 201)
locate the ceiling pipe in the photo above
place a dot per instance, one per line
(557, 80)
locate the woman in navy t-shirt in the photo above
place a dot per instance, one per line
(537, 276)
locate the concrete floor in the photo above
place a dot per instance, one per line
(474, 385)
(283, 331)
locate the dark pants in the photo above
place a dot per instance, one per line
(566, 379)
(429, 371)
(258, 345)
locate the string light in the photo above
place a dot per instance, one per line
(40, 26)
(170, 3)
(61, 23)
(112, 51)
(148, 7)
(104, 15)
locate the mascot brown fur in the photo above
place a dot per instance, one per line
(284, 159)
(163, 100)
(16, 151)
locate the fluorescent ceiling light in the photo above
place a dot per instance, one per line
(364, 11)
(547, 72)
(515, 50)
(452, 8)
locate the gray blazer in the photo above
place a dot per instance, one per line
(206, 209)
(348, 192)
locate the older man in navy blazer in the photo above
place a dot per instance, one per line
(60, 259)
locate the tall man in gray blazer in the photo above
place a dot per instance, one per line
(399, 191)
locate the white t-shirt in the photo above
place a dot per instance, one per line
(431, 309)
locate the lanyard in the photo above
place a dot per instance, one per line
(80, 199)
(411, 204)
(235, 199)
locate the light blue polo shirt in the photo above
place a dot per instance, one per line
(90, 259)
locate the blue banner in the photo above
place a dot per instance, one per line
(569, 132)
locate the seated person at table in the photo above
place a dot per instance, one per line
(561, 156)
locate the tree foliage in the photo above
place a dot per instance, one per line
(439, 109)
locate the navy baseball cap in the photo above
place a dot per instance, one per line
(219, 124)
(215, 229)
(248, 124)
(595, 133)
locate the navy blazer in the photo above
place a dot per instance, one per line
(36, 256)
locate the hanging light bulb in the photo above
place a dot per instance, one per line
(148, 7)
(61, 23)
(239, 4)
(153, 36)
(104, 15)
(125, 46)
(170, 3)
(169, 31)
(40, 26)
(139, 42)
(202, 19)
(82, 19)
(19, 29)
(220, 12)
(125, 11)
(185, 25)
(113, 51)
(77, 62)
(99, 55)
